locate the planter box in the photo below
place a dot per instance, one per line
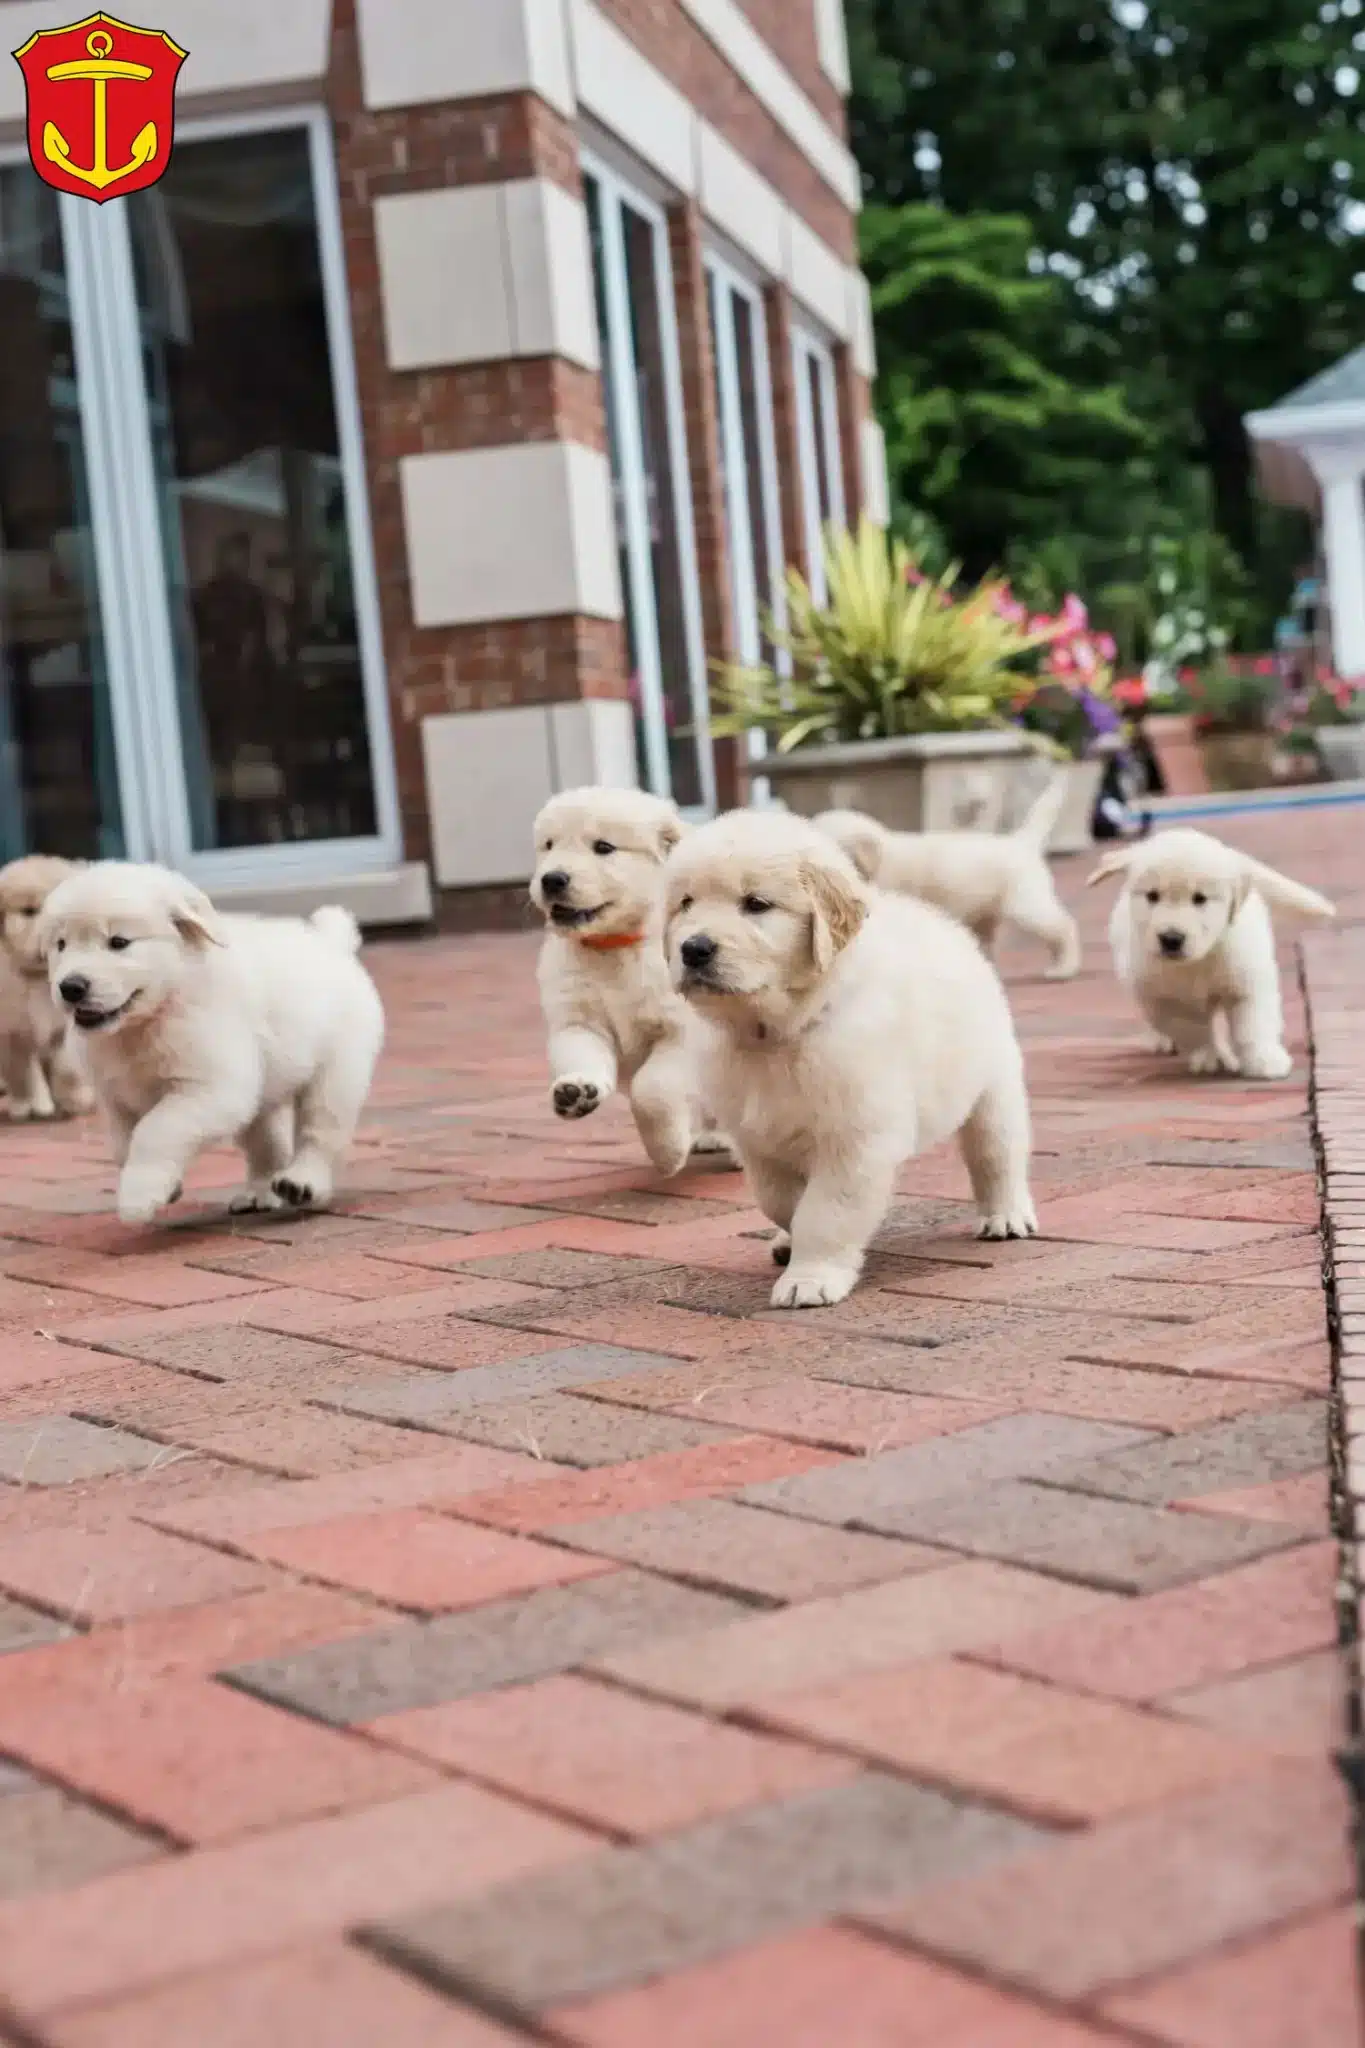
(1073, 831)
(1171, 737)
(1239, 760)
(933, 782)
(1341, 749)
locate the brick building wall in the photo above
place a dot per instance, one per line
(757, 167)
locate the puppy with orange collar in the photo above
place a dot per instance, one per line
(613, 1016)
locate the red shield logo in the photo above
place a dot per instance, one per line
(101, 105)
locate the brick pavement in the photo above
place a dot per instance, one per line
(473, 1616)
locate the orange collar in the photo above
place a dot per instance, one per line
(611, 942)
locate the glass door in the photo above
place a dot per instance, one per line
(817, 429)
(653, 506)
(240, 663)
(60, 788)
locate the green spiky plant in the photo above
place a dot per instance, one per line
(890, 653)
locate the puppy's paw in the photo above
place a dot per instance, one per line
(814, 1286)
(1063, 970)
(19, 1112)
(256, 1200)
(668, 1151)
(1210, 1059)
(303, 1187)
(1267, 1063)
(144, 1190)
(1014, 1219)
(75, 1102)
(708, 1144)
(782, 1249)
(574, 1097)
(1157, 1041)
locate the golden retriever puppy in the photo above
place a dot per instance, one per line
(610, 1010)
(983, 879)
(846, 1030)
(198, 1029)
(41, 1077)
(1191, 937)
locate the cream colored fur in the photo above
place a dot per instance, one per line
(41, 1076)
(982, 879)
(845, 1031)
(198, 1029)
(1212, 992)
(612, 1015)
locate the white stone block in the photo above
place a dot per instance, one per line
(414, 52)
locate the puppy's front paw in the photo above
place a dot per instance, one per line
(814, 1286)
(255, 1201)
(574, 1097)
(1210, 1060)
(1157, 1041)
(715, 1144)
(1270, 1063)
(782, 1249)
(303, 1188)
(1014, 1219)
(144, 1190)
(668, 1151)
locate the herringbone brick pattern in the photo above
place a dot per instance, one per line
(474, 1616)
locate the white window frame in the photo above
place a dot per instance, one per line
(808, 349)
(734, 456)
(617, 191)
(130, 569)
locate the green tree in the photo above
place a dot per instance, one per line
(1191, 168)
(1001, 419)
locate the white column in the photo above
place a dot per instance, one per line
(1343, 518)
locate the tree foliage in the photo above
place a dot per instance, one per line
(1189, 170)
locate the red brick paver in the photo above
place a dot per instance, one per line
(474, 1616)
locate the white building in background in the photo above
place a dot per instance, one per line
(1310, 451)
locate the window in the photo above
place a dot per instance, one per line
(653, 510)
(59, 787)
(748, 456)
(188, 622)
(817, 430)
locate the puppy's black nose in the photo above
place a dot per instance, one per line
(75, 988)
(698, 951)
(555, 883)
(1172, 944)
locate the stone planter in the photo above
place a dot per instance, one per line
(1341, 749)
(1239, 760)
(933, 782)
(1073, 831)
(1171, 737)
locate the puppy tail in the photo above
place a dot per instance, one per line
(1282, 894)
(338, 927)
(1035, 828)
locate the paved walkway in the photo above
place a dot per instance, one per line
(473, 1617)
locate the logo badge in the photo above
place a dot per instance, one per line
(101, 105)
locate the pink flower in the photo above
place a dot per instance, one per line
(1009, 609)
(1060, 662)
(1108, 647)
(1073, 613)
(1083, 654)
(1264, 665)
(914, 574)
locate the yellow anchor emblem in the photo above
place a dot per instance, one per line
(100, 146)
(100, 69)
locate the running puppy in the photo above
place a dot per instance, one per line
(198, 1029)
(610, 1010)
(1191, 937)
(983, 879)
(846, 1030)
(41, 1077)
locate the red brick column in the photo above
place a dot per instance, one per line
(777, 312)
(467, 667)
(696, 354)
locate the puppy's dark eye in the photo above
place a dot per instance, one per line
(1153, 895)
(119, 945)
(603, 847)
(684, 903)
(548, 844)
(28, 911)
(1199, 899)
(61, 945)
(754, 906)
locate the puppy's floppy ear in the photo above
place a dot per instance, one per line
(1280, 892)
(671, 829)
(195, 918)
(1113, 864)
(838, 905)
(864, 848)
